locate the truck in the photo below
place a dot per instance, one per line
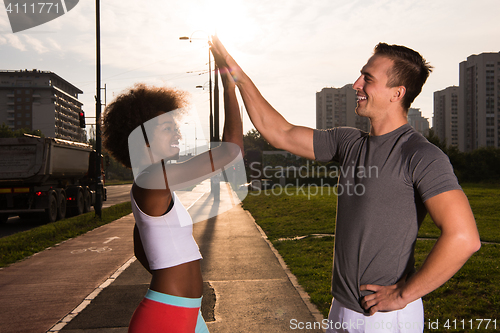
(48, 177)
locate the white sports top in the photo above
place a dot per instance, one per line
(165, 242)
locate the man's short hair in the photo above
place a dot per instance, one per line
(410, 70)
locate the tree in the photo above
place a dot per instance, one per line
(254, 141)
(6, 132)
(434, 139)
(114, 169)
(479, 165)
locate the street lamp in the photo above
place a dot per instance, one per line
(190, 39)
(214, 121)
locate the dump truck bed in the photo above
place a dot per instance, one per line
(36, 160)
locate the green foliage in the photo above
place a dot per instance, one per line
(6, 132)
(253, 140)
(115, 170)
(434, 139)
(479, 165)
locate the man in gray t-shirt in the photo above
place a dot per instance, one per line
(385, 180)
(403, 177)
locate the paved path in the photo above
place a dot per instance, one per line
(93, 283)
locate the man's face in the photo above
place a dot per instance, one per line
(374, 96)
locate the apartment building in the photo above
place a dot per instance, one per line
(446, 122)
(479, 101)
(336, 107)
(40, 100)
(417, 121)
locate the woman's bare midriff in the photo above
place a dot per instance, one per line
(183, 280)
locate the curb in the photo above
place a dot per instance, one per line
(293, 279)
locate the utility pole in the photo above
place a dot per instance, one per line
(216, 137)
(98, 185)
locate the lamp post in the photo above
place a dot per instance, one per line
(190, 39)
(214, 120)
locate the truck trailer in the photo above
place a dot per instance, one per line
(47, 176)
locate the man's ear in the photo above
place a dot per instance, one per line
(399, 93)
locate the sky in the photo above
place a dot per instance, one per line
(290, 49)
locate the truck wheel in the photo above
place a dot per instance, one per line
(61, 206)
(51, 211)
(80, 203)
(86, 200)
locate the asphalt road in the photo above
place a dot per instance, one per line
(115, 194)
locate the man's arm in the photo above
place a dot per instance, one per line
(459, 239)
(273, 127)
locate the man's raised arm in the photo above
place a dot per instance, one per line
(273, 127)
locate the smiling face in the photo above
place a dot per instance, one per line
(164, 142)
(374, 96)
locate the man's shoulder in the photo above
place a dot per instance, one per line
(417, 144)
(333, 142)
(423, 156)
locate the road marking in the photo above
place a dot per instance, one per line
(197, 200)
(110, 239)
(92, 249)
(63, 322)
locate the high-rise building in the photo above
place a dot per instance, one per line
(417, 121)
(336, 107)
(40, 100)
(446, 123)
(479, 102)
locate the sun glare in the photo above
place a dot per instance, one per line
(228, 19)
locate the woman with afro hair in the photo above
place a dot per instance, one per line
(163, 240)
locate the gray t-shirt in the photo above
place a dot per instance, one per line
(383, 183)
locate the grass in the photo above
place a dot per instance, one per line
(118, 182)
(470, 294)
(24, 244)
(290, 216)
(484, 201)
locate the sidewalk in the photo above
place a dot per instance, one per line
(247, 289)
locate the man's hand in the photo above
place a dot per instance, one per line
(385, 298)
(273, 126)
(224, 61)
(227, 78)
